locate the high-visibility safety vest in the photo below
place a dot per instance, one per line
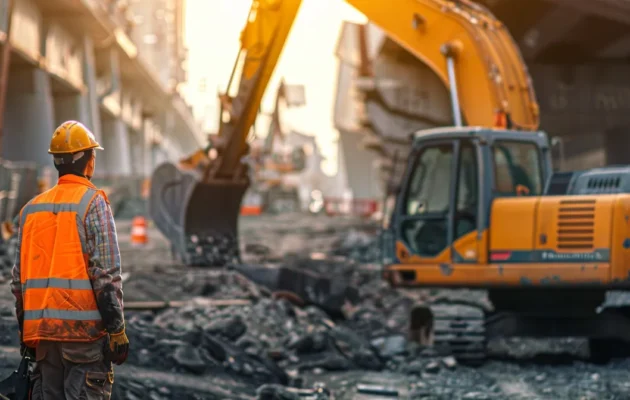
(59, 302)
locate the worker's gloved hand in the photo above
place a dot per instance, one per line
(27, 351)
(118, 347)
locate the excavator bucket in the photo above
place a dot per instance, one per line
(199, 219)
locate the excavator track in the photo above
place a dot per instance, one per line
(459, 330)
(603, 350)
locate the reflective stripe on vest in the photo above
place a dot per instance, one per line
(62, 314)
(59, 302)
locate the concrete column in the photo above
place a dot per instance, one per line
(148, 130)
(362, 178)
(170, 128)
(159, 155)
(153, 158)
(90, 98)
(71, 107)
(117, 155)
(29, 117)
(137, 152)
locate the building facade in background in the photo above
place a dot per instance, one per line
(158, 31)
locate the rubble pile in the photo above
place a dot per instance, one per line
(211, 249)
(181, 283)
(7, 257)
(8, 324)
(344, 335)
(359, 246)
(271, 341)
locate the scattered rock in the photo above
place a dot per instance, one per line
(449, 362)
(432, 367)
(278, 344)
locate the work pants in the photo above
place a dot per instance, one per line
(72, 371)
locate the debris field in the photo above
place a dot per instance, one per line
(233, 333)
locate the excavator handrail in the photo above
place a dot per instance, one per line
(491, 74)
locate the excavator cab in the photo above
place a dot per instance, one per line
(452, 177)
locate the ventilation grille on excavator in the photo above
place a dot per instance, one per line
(608, 180)
(604, 185)
(576, 224)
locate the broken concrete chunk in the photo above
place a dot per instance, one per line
(432, 367)
(230, 327)
(188, 357)
(449, 362)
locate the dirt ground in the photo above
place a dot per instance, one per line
(170, 362)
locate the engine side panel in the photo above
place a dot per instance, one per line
(512, 225)
(539, 241)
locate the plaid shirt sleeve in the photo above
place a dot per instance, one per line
(104, 266)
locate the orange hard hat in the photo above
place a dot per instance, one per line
(71, 137)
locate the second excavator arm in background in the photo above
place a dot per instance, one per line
(460, 41)
(262, 41)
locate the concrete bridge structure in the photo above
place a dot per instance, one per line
(86, 60)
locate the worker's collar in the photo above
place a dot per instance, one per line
(70, 178)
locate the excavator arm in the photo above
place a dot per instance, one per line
(262, 40)
(196, 203)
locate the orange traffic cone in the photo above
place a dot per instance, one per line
(139, 231)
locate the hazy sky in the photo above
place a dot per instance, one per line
(212, 36)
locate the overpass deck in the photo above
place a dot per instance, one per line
(75, 59)
(567, 30)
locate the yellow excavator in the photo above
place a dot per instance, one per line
(196, 202)
(478, 205)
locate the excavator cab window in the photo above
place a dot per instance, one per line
(467, 190)
(517, 169)
(424, 224)
(429, 189)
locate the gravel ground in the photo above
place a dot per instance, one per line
(204, 350)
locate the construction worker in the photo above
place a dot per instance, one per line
(66, 278)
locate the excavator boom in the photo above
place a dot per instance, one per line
(491, 75)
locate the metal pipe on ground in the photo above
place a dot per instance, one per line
(160, 305)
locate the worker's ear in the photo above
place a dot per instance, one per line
(91, 166)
